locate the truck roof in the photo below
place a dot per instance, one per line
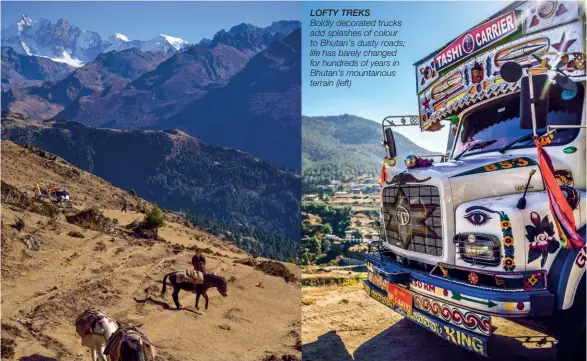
(502, 11)
(466, 71)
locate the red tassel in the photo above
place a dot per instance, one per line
(383, 176)
(560, 208)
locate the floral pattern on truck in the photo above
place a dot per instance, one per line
(541, 237)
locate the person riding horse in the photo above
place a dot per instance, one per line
(199, 262)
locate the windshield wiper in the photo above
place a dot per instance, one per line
(479, 145)
(524, 138)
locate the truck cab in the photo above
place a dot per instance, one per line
(476, 236)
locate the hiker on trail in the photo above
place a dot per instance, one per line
(123, 206)
(199, 262)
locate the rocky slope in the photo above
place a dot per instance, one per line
(52, 270)
(181, 173)
(18, 68)
(102, 76)
(184, 78)
(258, 111)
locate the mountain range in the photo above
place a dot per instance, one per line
(264, 107)
(30, 70)
(180, 172)
(255, 70)
(345, 146)
(67, 43)
(108, 72)
(232, 159)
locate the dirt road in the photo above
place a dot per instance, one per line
(342, 323)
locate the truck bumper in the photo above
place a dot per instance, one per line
(457, 313)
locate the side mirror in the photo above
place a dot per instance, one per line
(569, 87)
(540, 91)
(511, 72)
(390, 143)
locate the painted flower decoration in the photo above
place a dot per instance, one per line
(541, 237)
(473, 278)
(508, 242)
(544, 140)
(509, 264)
(541, 240)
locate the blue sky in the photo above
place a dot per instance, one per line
(190, 21)
(426, 26)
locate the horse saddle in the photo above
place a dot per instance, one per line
(86, 323)
(194, 276)
(129, 333)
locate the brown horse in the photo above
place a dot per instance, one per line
(211, 280)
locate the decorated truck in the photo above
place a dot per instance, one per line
(498, 228)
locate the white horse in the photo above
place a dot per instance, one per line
(94, 328)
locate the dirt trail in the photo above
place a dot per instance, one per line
(43, 291)
(342, 323)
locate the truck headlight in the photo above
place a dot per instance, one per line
(476, 248)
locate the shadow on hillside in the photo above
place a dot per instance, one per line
(36, 357)
(408, 341)
(165, 305)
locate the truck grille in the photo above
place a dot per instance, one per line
(413, 218)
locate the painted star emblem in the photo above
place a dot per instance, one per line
(414, 224)
(564, 44)
(426, 103)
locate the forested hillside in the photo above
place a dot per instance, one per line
(345, 146)
(179, 172)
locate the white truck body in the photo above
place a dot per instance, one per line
(453, 234)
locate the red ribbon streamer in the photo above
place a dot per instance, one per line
(559, 206)
(383, 178)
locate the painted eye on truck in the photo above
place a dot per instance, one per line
(477, 218)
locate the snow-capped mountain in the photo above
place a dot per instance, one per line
(13, 30)
(27, 69)
(60, 41)
(164, 43)
(148, 82)
(69, 44)
(120, 37)
(119, 42)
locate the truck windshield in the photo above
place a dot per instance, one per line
(499, 120)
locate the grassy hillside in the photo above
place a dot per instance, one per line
(59, 260)
(179, 172)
